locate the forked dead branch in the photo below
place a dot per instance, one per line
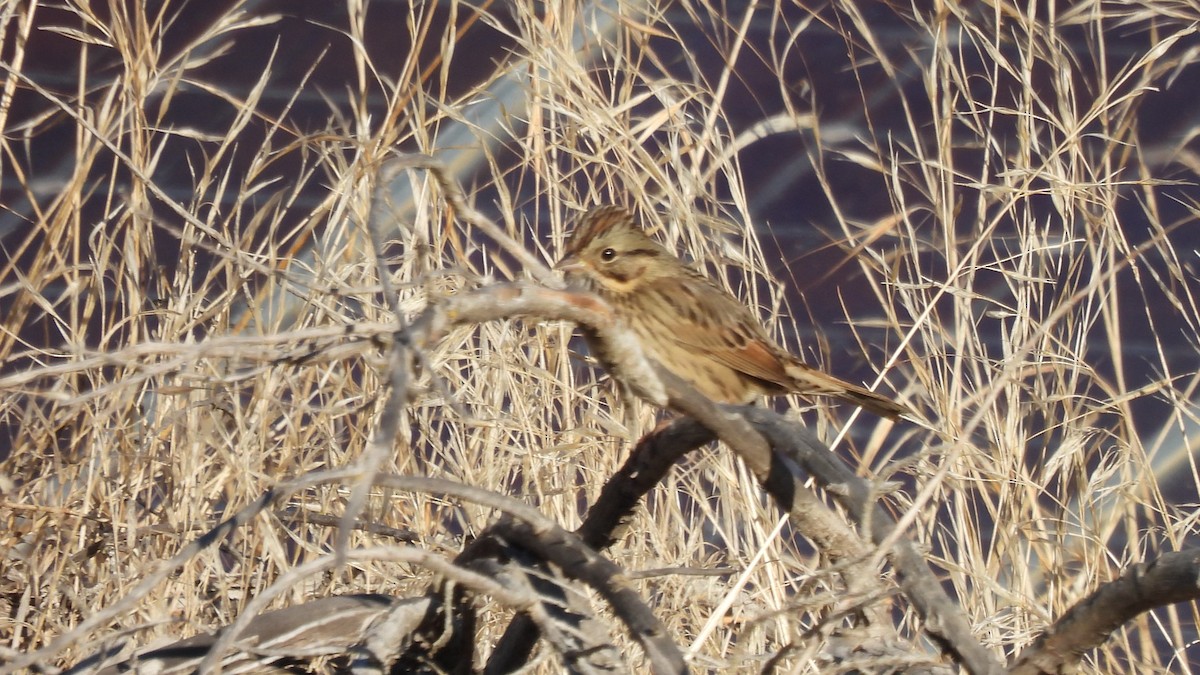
(523, 542)
(525, 563)
(572, 554)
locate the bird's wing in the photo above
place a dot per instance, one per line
(728, 332)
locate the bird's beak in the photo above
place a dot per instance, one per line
(569, 264)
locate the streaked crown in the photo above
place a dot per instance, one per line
(611, 254)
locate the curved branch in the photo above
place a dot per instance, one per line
(1175, 577)
(943, 619)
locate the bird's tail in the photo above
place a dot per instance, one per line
(812, 381)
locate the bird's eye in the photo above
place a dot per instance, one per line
(608, 254)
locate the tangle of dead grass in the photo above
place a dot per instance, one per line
(168, 358)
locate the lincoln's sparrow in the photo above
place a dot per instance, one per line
(689, 324)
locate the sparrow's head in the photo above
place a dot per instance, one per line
(609, 253)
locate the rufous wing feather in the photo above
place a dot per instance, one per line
(729, 334)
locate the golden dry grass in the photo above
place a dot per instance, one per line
(148, 399)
